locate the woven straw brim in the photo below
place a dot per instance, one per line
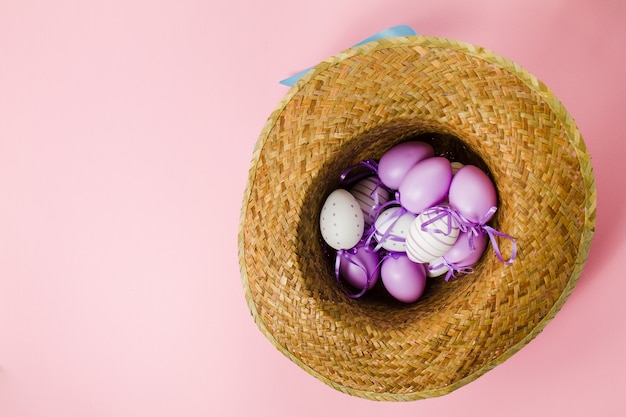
(474, 106)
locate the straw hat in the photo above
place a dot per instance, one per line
(473, 106)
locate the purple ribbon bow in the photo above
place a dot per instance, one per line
(476, 228)
(453, 269)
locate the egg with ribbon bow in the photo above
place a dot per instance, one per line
(359, 267)
(433, 232)
(392, 228)
(473, 194)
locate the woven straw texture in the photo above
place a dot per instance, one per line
(473, 106)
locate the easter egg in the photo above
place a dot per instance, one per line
(426, 184)
(460, 254)
(370, 194)
(403, 279)
(472, 193)
(356, 268)
(392, 228)
(431, 235)
(341, 220)
(396, 162)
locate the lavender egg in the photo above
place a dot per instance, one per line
(403, 279)
(426, 184)
(355, 268)
(370, 194)
(397, 161)
(472, 194)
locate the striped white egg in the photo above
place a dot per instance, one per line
(370, 194)
(392, 228)
(341, 220)
(425, 243)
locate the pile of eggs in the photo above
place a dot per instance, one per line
(411, 216)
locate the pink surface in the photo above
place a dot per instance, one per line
(126, 131)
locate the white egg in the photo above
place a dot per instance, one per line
(341, 220)
(392, 228)
(427, 242)
(370, 194)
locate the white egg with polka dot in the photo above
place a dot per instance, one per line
(341, 220)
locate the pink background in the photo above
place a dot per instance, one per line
(126, 131)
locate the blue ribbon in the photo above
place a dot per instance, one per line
(392, 32)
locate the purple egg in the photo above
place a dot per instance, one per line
(461, 254)
(426, 184)
(396, 162)
(355, 268)
(403, 279)
(472, 193)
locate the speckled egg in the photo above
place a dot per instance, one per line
(341, 220)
